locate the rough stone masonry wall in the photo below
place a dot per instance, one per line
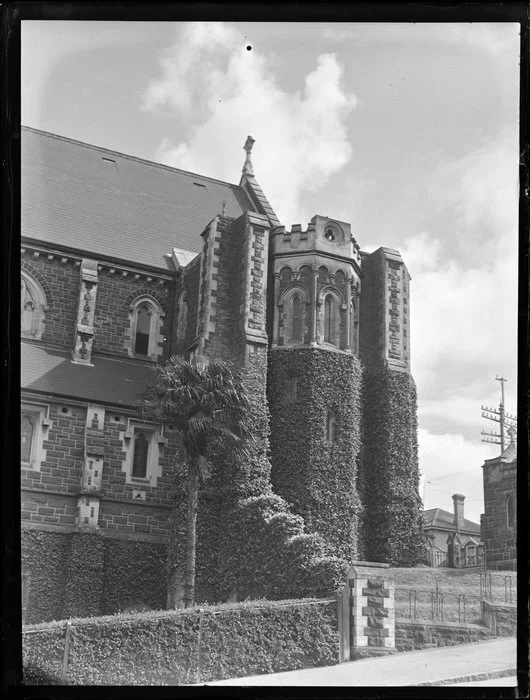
(500, 541)
(116, 291)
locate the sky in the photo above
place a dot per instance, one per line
(407, 131)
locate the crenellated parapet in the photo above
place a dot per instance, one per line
(317, 278)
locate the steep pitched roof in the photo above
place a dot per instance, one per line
(438, 518)
(114, 205)
(110, 381)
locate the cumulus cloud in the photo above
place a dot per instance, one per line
(464, 313)
(223, 92)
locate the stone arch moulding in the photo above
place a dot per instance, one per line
(295, 313)
(33, 306)
(145, 339)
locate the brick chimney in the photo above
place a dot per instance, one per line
(458, 501)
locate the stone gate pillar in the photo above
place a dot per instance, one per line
(367, 620)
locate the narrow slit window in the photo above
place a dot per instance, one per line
(331, 431)
(297, 319)
(141, 452)
(328, 319)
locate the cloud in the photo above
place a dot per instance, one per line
(464, 305)
(223, 92)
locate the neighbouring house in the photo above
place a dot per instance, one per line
(450, 539)
(126, 262)
(499, 520)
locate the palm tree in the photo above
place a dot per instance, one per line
(210, 407)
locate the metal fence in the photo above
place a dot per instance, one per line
(414, 604)
(500, 587)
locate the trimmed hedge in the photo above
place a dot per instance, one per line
(43, 556)
(88, 574)
(389, 474)
(162, 648)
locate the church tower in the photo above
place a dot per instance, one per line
(314, 381)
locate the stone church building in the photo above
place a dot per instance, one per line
(126, 262)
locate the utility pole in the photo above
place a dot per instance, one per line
(505, 420)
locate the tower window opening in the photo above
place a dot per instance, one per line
(328, 319)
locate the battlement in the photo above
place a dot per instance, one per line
(322, 235)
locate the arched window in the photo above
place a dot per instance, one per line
(510, 512)
(329, 312)
(331, 428)
(145, 331)
(297, 319)
(140, 455)
(32, 307)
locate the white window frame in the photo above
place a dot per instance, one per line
(42, 424)
(156, 337)
(39, 300)
(156, 444)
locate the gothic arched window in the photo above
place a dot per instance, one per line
(140, 455)
(510, 512)
(297, 319)
(145, 331)
(32, 307)
(331, 427)
(329, 313)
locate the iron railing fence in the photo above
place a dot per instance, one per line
(498, 587)
(414, 604)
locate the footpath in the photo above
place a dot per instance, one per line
(441, 666)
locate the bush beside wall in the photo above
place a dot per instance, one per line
(162, 648)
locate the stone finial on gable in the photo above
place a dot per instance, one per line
(247, 167)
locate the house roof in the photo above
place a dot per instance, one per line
(437, 518)
(109, 381)
(113, 205)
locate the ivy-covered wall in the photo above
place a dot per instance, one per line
(389, 474)
(314, 474)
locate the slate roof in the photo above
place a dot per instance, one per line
(113, 205)
(110, 381)
(437, 518)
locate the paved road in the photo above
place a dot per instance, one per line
(464, 662)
